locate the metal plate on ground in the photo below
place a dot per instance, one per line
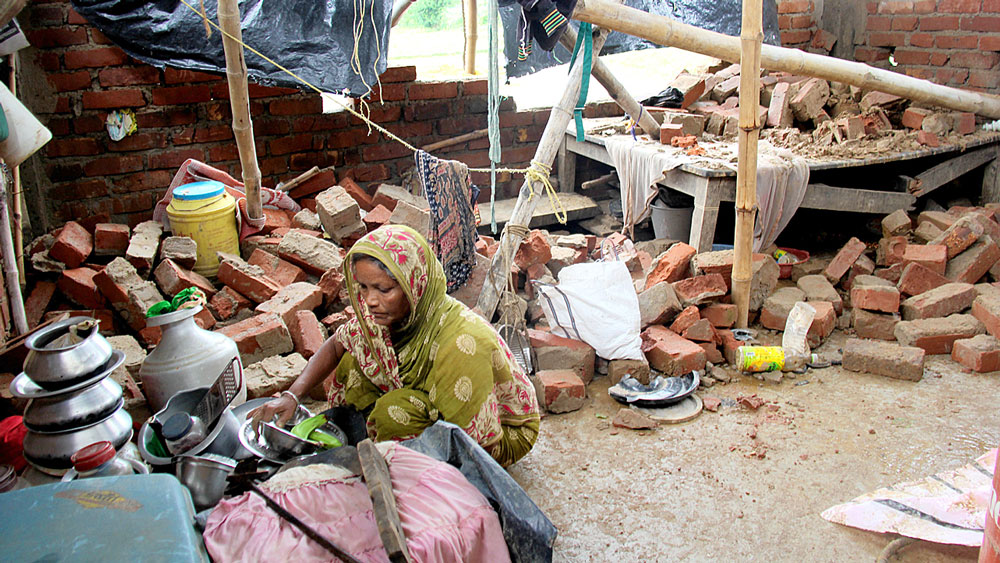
(682, 411)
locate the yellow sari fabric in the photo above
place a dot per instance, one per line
(445, 362)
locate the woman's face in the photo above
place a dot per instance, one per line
(384, 297)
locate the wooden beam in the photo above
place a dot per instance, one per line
(398, 9)
(471, 34)
(937, 176)
(10, 265)
(665, 31)
(545, 153)
(239, 101)
(478, 134)
(832, 198)
(376, 474)
(615, 89)
(577, 207)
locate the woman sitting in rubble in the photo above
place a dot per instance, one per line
(413, 355)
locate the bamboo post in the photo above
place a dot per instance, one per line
(239, 100)
(10, 264)
(664, 31)
(751, 36)
(615, 88)
(545, 153)
(15, 192)
(471, 34)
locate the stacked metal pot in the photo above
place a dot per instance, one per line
(73, 402)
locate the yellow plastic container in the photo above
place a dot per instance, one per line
(204, 212)
(760, 358)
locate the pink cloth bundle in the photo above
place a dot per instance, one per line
(444, 517)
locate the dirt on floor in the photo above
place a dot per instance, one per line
(743, 485)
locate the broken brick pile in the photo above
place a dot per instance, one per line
(278, 300)
(832, 112)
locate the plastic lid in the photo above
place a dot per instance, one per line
(199, 190)
(176, 426)
(93, 456)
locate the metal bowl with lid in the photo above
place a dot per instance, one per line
(61, 366)
(50, 452)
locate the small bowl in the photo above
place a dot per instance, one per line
(57, 368)
(785, 270)
(286, 443)
(205, 477)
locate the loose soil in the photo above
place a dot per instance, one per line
(744, 485)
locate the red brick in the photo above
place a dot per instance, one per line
(721, 315)
(937, 335)
(172, 159)
(980, 353)
(307, 333)
(79, 146)
(699, 289)
(700, 331)
(842, 262)
(884, 358)
(823, 323)
(912, 57)
(226, 303)
(890, 250)
(965, 122)
(173, 75)
(685, 319)
(956, 41)
(904, 23)
(73, 245)
(78, 285)
(972, 264)
(939, 302)
(362, 197)
(934, 257)
(917, 279)
(281, 271)
(399, 74)
(974, 60)
(874, 294)
(113, 165)
(56, 37)
(562, 390)
(432, 90)
(795, 6)
(533, 250)
(879, 23)
(129, 76)
(247, 280)
(990, 24)
(298, 296)
(260, 337)
(959, 6)
(986, 308)
(68, 81)
(94, 58)
(672, 265)
(989, 43)
(173, 278)
(938, 23)
(377, 217)
(868, 324)
(670, 353)
(670, 130)
(38, 302)
(300, 106)
(331, 283)
(113, 99)
(887, 39)
(922, 39)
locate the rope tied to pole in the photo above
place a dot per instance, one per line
(540, 172)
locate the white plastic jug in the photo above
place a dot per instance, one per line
(27, 134)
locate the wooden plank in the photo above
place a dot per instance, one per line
(933, 178)
(567, 169)
(991, 183)
(376, 474)
(830, 198)
(577, 207)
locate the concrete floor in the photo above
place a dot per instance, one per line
(696, 491)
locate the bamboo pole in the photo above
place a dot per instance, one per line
(615, 89)
(10, 264)
(664, 31)
(471, 34)
(15, 182)
(398, 9)
(477, 134)
(751, 36)
(239, 100)
(545, 153)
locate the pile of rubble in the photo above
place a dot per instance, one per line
(805, 113)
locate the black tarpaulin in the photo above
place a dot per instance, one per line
(313, 38)
(723, 16)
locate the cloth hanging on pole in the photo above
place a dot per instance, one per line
(639, 168)
(452, 199)
(586, 39)
(782, 180)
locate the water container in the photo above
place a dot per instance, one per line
(671, 222)
(204, 212)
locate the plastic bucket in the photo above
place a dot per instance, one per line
(26, 134)
(204, 212)
(671, 222)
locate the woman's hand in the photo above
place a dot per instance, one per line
(283, 408)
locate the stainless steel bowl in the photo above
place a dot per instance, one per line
(50, 451)
(223, 438)
(205, 476)
(286, 443)
(56, 368)
(76, 409)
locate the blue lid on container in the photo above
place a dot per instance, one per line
(199, 190)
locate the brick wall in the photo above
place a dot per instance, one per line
(951, 42)
(78, 77)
